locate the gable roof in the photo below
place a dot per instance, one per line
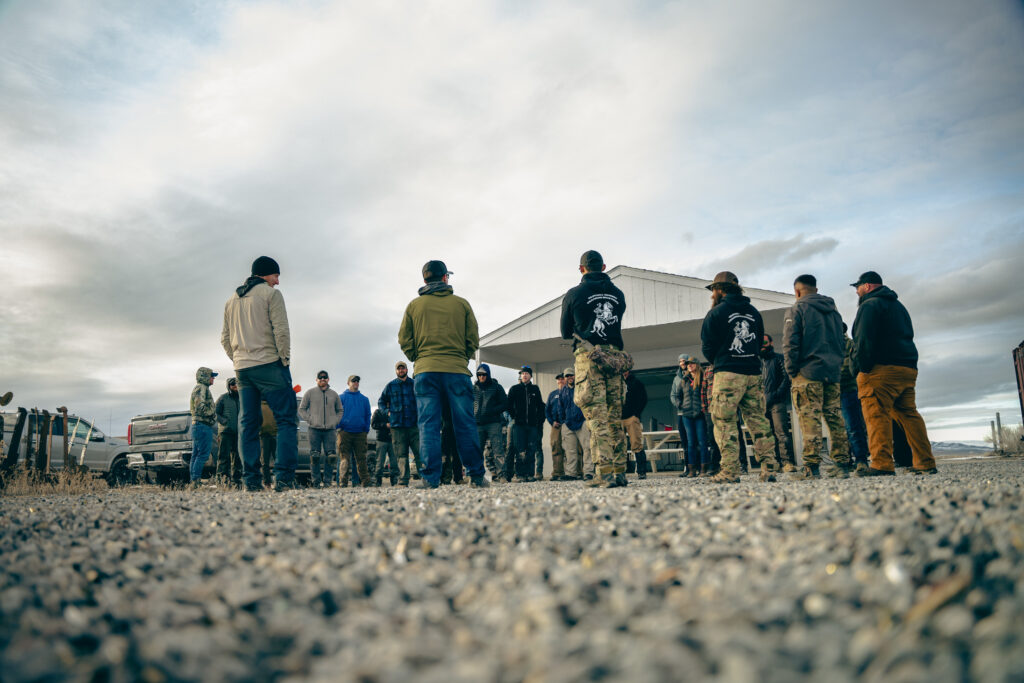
(653, 299)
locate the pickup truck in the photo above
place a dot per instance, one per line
(105, 456)
(162, 442)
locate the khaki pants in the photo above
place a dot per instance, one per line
(635, 433)
(577, 444)
(887, 393)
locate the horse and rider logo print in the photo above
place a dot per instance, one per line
(743, 335)
(604, 315)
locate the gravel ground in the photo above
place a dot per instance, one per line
(895, 579)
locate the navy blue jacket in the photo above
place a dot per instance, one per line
(566, 410)
(549, 407)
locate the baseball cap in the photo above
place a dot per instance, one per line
(684, 356)
(526, 368)
(560, 375)
(722, 278)
(591, 258)
(867, 278)
(435, 270)
(353, 378)
(401, 364)
(569, 372)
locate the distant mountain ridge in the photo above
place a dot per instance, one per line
(961, 447)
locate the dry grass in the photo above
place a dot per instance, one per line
(1010, 440)
(25, 483)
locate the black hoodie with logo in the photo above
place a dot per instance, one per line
(731, 336)
(882, 332)
(593, 309)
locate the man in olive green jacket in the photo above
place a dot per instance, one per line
(439, 335)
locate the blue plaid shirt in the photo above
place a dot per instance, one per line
(398, 400)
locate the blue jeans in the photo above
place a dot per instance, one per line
(696, 440)
(432, 388)
(856, 430)
(202, 442)
(272, 383)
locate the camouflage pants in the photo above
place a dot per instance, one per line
(733, 392)
(813, 402)
(599, 396)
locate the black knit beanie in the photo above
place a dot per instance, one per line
(265, 265)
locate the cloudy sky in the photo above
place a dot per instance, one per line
(149, 151)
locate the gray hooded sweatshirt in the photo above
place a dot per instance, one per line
(813, 343)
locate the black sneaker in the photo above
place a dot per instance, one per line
(478, 482)
(424, 484)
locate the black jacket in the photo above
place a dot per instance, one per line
(228, 411)
(813, 343)
(525, 404)
(379, 422)
(489, 399)
(636, 398)
(882, 332)
(731, 336)
(593, 310)
(774, 380)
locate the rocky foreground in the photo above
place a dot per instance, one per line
(894, 579)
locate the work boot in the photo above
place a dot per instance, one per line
(789, 467)
(619, 480)
(724, 477)
(424, 484)
(281, 486)
(705, 470)
(599, 481)
(767, 472)
(478, 482)
(316, 466)
(930, 470)
(806, 472)
(861, 470)
(641, 465)
(838, 471)
(872, 472)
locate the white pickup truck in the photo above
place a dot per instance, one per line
(104, 455)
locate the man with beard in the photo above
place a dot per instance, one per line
(398, 402)
(731, 339)
(777, 386)
(557, 452)
(321, 409)
(489, 403)
(813, 345)
(886, 358)
(592, 316)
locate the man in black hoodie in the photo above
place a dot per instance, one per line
(731, 339)
(886, 358)
(776, 396)
(489, 404)
(592, 311)
(813, 346)
(526, 406)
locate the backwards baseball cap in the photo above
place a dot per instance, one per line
(725, 277)
(591, 258)
(435, 270)
(867, 278)
(265, 265)
(569, 372)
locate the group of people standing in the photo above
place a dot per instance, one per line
(450, 423)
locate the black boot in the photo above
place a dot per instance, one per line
(641, 465)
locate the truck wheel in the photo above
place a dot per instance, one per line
(119, 474)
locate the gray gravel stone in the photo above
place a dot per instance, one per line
(905, 578)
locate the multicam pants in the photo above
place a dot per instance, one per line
(732, 392)
(815, 401)
(599, 396)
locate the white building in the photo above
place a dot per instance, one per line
(664, 313)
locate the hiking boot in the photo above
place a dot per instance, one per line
(478, 483)
(806, 472)
(599, 481)
(254, 489)
(424, 484)
(861, 470)
(705, 471)
(519, 480)
(619, 480)
(930, 470)
(838, 471)
(872, 472)
(284, 486)
(789, 467)
(724, 477)
(766, 475)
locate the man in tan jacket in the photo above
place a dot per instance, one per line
(257, 340)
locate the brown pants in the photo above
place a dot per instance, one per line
(557, 452)
(886, 394)
(353, 445)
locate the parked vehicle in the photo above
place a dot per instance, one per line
(104, 455)
(161, 446)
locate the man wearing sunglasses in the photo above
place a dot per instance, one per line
(321, 408)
